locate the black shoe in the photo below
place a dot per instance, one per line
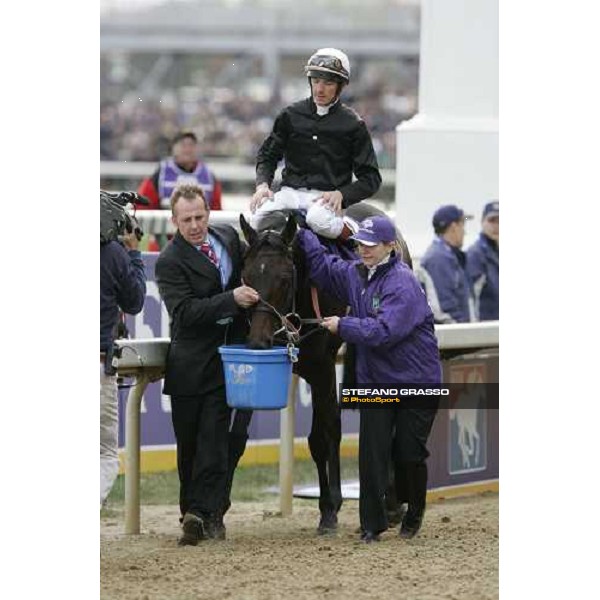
(411, 525)
(214, 527)
(193, 530)
(369, 536)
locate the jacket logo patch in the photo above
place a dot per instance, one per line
(375, 303)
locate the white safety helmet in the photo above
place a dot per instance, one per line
(329, 63)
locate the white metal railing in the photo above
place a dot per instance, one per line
(223, 170)
(151, 353)
(146, 359)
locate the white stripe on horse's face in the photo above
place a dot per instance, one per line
(262, 268)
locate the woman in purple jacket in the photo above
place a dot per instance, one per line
(392, 328)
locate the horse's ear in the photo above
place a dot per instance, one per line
(289, 230)
(247, 230)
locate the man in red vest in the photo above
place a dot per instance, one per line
(183, 167)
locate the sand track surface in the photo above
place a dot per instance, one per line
(269, 557)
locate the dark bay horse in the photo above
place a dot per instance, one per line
(274, 266)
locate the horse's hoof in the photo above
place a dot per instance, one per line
(395, 516)
(327, 524)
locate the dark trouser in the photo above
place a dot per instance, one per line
(201, 425)
(412, 428)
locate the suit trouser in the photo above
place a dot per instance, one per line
(412, 428)
(201, 425)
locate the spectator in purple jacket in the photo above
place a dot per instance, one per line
(392, 328)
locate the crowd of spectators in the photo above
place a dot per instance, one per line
(229, 125)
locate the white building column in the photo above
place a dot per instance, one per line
(448, 152)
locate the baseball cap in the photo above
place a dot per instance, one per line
(374, 230)
(491, 209)
(183, 135)
(447, 214)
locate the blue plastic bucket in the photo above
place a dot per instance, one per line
(256, 379)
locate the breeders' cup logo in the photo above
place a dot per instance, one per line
(240, 373)
(467, 420)
(367, 225)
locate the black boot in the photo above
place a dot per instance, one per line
(396, 494)
(416, 479)
(214, 526)
(193, 530)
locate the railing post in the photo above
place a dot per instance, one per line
(132, 455)
(286, 450)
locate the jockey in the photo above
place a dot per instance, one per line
(323, 143)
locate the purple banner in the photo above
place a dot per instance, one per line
(463, 443)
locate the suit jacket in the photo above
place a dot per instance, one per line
(191, 288)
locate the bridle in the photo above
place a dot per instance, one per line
(291, 322)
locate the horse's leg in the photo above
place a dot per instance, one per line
(324, 440)
(238, 436)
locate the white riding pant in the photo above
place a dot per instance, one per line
(109, 432)
(321, 219)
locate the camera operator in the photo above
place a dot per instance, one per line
(122, 288)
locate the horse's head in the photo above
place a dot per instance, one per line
(269, 269)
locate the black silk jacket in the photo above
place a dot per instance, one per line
(321, 152)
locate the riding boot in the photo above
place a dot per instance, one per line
(346, 233)
(349, 229)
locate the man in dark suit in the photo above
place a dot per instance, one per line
(199, 279)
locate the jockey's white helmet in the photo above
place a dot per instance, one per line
(329, 63)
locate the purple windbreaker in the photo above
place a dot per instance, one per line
(391, 323)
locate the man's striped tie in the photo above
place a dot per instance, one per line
(207, 249)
